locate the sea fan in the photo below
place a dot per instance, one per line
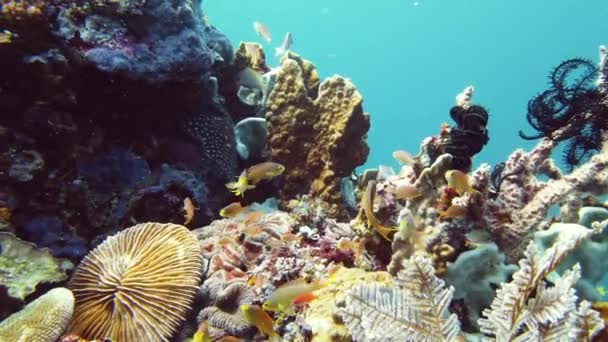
(549, 316)
(415, 310)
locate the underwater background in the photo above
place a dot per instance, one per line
(314, 171)
(409, 58)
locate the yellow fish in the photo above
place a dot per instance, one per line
(260, 319)
(264, 171)
(367, 204)
(459, 181)
(6, 37)
(231, 210)
(241, 185)
(281, 299)
(201, 334)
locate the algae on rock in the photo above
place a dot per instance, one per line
(23, 266)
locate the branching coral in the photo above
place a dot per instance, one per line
(42, 320)
(416, 310)
(137, 285)
(574, 109)
(319, 139)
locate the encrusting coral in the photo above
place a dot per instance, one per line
(23, 266)
(137, 285)
(319, 139)
(42, 320)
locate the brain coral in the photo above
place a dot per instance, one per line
(319, 138)
(42, 320)
(137, 285)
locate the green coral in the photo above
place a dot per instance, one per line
(42, 320)
(23, 266)
(475, 275)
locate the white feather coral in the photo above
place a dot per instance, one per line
(415, 310)
(514, 315)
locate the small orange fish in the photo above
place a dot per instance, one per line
(252, 280)
(303, 299)
(264, 171)
(231, 210)
(262, 31)
(252, 230)
(5, 214)
(259, 318)
(453, 211)
(403, 157)
(229, 339)
(253, 217)
(459, 181)
(404, 190)
(188, 210)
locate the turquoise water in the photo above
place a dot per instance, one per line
(409, 59)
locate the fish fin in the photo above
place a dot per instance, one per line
(232, 185)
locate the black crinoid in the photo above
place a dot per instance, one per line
(573, 109)
(468, 137)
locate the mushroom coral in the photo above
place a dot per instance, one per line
(137, 285)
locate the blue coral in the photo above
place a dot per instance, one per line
(159, 41)
(118, 170)
(49, 232)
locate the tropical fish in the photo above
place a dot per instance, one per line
(6, 37)
(303, 299)
(188, 210)
(262, 31)
(230, 339)
(201, 334)
(285, 45)
(453, 211)
(404, 190)
(459, 181)
(231, 210)
(264, 171)
(253, 217)
(367, 204)
(241, 185)
(251, 79)
(403, 157)
(281, 299)
(259, 318)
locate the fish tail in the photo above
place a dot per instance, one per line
(384, 231)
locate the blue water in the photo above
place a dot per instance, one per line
(409, 59)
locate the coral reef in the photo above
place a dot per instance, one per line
(319, 139)
(43, 320)
(147, 275)
(23, 266)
